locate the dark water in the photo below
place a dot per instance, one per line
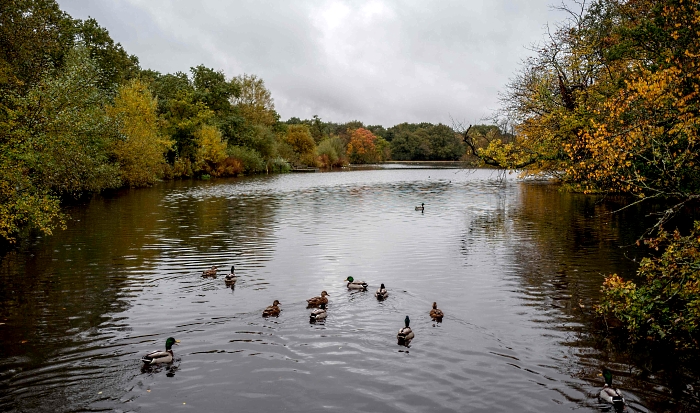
(516, 266)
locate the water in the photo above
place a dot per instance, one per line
(516, 267)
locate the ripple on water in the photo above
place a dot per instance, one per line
(488, 252)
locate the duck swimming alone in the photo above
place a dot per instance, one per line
(356, 285)
(317, 301)
(273, 310)
(318, 314)
(156, 357)
(421, 208)
(231, 279)
(436, 314)
(405, 335)
(210, 272)
(381, 293)
(611, 395)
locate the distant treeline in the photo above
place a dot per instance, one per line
(79, 115)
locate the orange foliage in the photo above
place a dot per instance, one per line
(362, 147)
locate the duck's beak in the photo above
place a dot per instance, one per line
(600, 374)
(177, 341)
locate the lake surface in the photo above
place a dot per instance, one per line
(516, 266)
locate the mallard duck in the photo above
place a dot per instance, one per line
(381, 293)
(231, 278)
(166, 356)
(356, 285)
(405, 334)
(273, 310)
(317, 301)
(210, 272)
(611, 395)
(436, 314)
(421, 207)
(319, 313)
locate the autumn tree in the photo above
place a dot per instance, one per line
(140, 149)
(299, 138)
(255, 101)
(611, 104)
(363, 147)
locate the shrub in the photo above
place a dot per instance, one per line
(250, 159)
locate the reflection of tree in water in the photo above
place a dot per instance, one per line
(562, 245)
(56, 294)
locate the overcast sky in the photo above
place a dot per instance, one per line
(380, 62)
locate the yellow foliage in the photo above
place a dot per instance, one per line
(140, 150)
(211, 149)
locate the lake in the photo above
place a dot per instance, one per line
(515, 265)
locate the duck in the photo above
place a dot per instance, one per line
(611, 395)
(436, 314)
(318, 314)
(157, 357)
(317, 301)
(405, 335)
(381, 293)
(231, 279)
(273, 310)
(420, 208)
(210, 272)
(356, 285)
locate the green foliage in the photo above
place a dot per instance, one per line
(425, 142)
(67, 131)
(665, 306)
(278, 165)
(254, 102)
(249, 158)
(331, 153)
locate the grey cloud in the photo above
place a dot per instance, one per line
(381, 62)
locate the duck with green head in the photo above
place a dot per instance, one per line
(156, 357)
(356, 285)
(231, 279)
(318, 314)
(405, 335)
(421, 208)
(611, 395)
(381, 293)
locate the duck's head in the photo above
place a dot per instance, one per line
(407, 321)
(276, 303)
(608, 376)
(323, 306)
(434, 305)
(170, 342)
(382, 287)
(349, 279)
(233, 269)
(323, 294)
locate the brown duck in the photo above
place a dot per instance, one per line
(273, 310)
(436, 314)
(317, 301)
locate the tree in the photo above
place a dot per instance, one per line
(255, 102)
(54, 144)
(211, 149)
(362, 147)
(299, 138)
(140, 150)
